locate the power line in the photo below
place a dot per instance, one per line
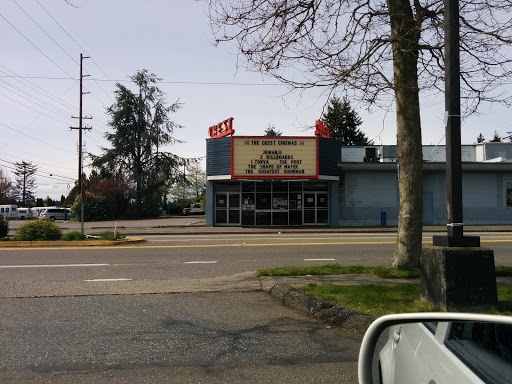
(26, 106)
(36, 100)
(71, 37)
(35, 46)
(33, 138)
(50, 175)
(42, 164)
(35, 87)
(162, 81)
(61, 27)
(46, 33)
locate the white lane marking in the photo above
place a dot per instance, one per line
(95, 280)
(52, 265)
(200, 262)
(319, 259)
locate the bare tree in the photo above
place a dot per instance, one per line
(5, 188)
(379, 51)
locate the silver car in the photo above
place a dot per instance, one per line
(53, 214)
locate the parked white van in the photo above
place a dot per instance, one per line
(25, 213)
(9, 211)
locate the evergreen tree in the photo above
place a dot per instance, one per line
(480, 138)
(272, 131)
(343, 123)
(141, 126)
(25, 183)
(496, 138)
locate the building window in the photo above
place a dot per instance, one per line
(509, 194)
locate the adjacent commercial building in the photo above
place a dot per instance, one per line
(315, 181)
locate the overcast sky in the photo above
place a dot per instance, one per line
(41, 43)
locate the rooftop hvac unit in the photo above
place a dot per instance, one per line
(371, 154)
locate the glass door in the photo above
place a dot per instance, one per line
(316, 208)
(227, 208)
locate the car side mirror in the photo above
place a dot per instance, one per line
(436, 348)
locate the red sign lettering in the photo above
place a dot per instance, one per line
(222, 129)
(322, 129)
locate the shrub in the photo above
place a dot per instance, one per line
(110, 236)
(38, 230)
(73, 236)
(4, 228)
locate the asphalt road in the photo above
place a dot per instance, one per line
(177, 309)
(196, 263)
(158, 312)
(182, 338)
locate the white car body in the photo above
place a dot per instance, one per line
(408, 348)
(416, 346)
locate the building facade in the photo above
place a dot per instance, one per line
(271, 181)
(369, 185)
(315, 181)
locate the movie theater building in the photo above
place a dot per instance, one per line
(271, 181)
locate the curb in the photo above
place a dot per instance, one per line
(323, 310)
(89, 243)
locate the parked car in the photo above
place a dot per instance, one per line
(53, 214)
(194, 209)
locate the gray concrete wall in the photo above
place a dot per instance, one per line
(364, 195)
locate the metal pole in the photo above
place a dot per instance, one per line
(454, 223)
(80, 184)
(453, 122)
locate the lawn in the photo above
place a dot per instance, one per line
(381, 299)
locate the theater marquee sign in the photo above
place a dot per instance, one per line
(274, 157)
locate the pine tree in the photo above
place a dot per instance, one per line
(496, 138)
(272, 131)
(24, 183)
(141, 126)
(343, 123)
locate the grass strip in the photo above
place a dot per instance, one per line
(384, 299)
(503, 271)
(336, 269)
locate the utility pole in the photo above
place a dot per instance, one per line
(455, 226)
(80, 129)
(456, 274)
